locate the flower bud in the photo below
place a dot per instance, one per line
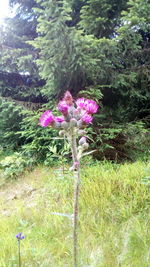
(85, 146)
(82, 140)
(68, 98)
(65, 125)
(62, 133)
(56, 125)
(73, 122)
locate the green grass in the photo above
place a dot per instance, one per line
(114, 227)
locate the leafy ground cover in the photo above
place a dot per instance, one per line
(114, 228)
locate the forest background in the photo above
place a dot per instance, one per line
(98, 49)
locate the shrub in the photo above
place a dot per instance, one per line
(137, 145)
(15, 165)
(10, 119)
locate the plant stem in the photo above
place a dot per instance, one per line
(19, 253)
(75, 217)
(73, 146)
(76, 198)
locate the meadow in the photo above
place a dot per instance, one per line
(114, 220)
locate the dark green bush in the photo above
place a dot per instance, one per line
(10, 118)
(138, 142)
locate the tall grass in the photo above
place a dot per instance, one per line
(114, 228)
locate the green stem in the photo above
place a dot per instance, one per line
(19, 254)
(74, 146)
(75, 217)
(76, 199)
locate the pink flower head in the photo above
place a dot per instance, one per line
(86, 118)
(68, 98)
(59, 119)
(91, 106)
(47, 118)
(81, 103)
(63, 107)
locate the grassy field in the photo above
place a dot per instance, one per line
(114, 227)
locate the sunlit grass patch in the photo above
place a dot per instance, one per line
(114, 221)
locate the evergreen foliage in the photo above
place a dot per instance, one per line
(67, 57)
(17, 57)
(10, 119)
(101, 18)
(100, 48)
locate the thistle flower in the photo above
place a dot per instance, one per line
(59, 119)
(20, 236)
(81, 103)
(86, 104)
(91, 106)
(63, 107)
(86, 118)
(68, 98)
(75, 117)
(47, 118)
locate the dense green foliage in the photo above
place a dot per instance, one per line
(101, 18)
(94, 48)
(10, 118)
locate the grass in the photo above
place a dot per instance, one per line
(114, 227)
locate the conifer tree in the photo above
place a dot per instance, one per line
(67, 57)
(18, 71)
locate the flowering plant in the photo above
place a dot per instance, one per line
(19, 237)
(76, 116)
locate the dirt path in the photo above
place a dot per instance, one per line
(22, 191)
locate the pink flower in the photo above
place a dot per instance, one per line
(91, 106)
(63, 107)
(86, 118)
(47, 118)
(59, 119)
(81, 103)
(68, 98)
